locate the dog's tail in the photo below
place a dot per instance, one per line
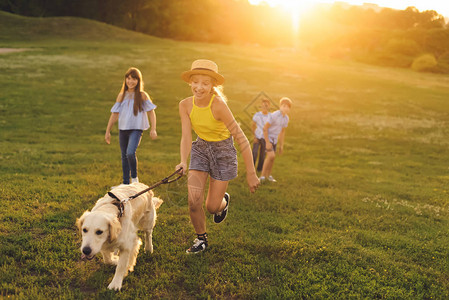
(157, 202)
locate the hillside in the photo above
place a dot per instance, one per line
(19, 28)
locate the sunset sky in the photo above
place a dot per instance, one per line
(441, 6)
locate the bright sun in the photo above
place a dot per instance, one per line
(295, 8)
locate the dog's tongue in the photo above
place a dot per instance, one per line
(83, 256)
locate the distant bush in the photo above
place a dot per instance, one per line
(425, 62)
(386, 59)
(443, 63)
(444, 58)
(402, 46)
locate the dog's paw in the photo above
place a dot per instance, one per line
(115, 285)
(149, 248)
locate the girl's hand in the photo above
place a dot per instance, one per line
(281, 150)
(269, 147)
(183, 166)
(107, 137)
(253, 182)
(153, 134)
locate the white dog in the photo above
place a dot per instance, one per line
(104, 231)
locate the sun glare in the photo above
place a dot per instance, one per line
(302, 11)
(300, 6)
(294, 8)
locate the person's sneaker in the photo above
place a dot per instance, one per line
(219, 217)
(134, 180)
(271, 179)
(262, 179)
(197, 247)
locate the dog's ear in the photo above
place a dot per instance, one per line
(157, 202)
(114, 228)
(79, 222)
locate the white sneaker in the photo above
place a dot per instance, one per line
(198, 246)
(271, 179)
(134, 180)
(262, 179)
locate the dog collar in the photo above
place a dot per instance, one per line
(119, 204)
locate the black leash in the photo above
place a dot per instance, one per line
(121, 203)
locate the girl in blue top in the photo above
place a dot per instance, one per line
(132, 109)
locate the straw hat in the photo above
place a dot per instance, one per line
(203, 67)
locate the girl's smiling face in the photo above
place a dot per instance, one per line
(131, 82)
(201, 86)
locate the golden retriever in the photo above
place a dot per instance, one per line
(116, 238)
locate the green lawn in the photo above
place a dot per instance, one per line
(359, 210)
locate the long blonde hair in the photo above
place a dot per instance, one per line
(138, 90)
(218, 90)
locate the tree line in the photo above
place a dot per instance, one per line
(398, 38)
(216, 21)
(387, 37)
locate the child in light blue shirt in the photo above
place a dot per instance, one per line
(274, 134)
(260, 118)
(131, 109)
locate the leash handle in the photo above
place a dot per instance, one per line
(167, 179)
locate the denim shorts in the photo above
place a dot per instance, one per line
(219, 159)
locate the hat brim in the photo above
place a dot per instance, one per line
(186, 75)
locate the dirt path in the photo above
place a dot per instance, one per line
(9, 50)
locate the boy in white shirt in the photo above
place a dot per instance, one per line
(274, 133)
(260, 118)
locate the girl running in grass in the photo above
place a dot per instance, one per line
(212, 154)
(132, 109)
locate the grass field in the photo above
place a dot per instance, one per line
(360, 209)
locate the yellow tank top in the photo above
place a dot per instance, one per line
(205, 125)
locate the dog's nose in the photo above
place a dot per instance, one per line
(87, 250)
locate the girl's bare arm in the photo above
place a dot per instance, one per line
(186, 137)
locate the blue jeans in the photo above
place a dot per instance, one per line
(259, 148)
(129, 140)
